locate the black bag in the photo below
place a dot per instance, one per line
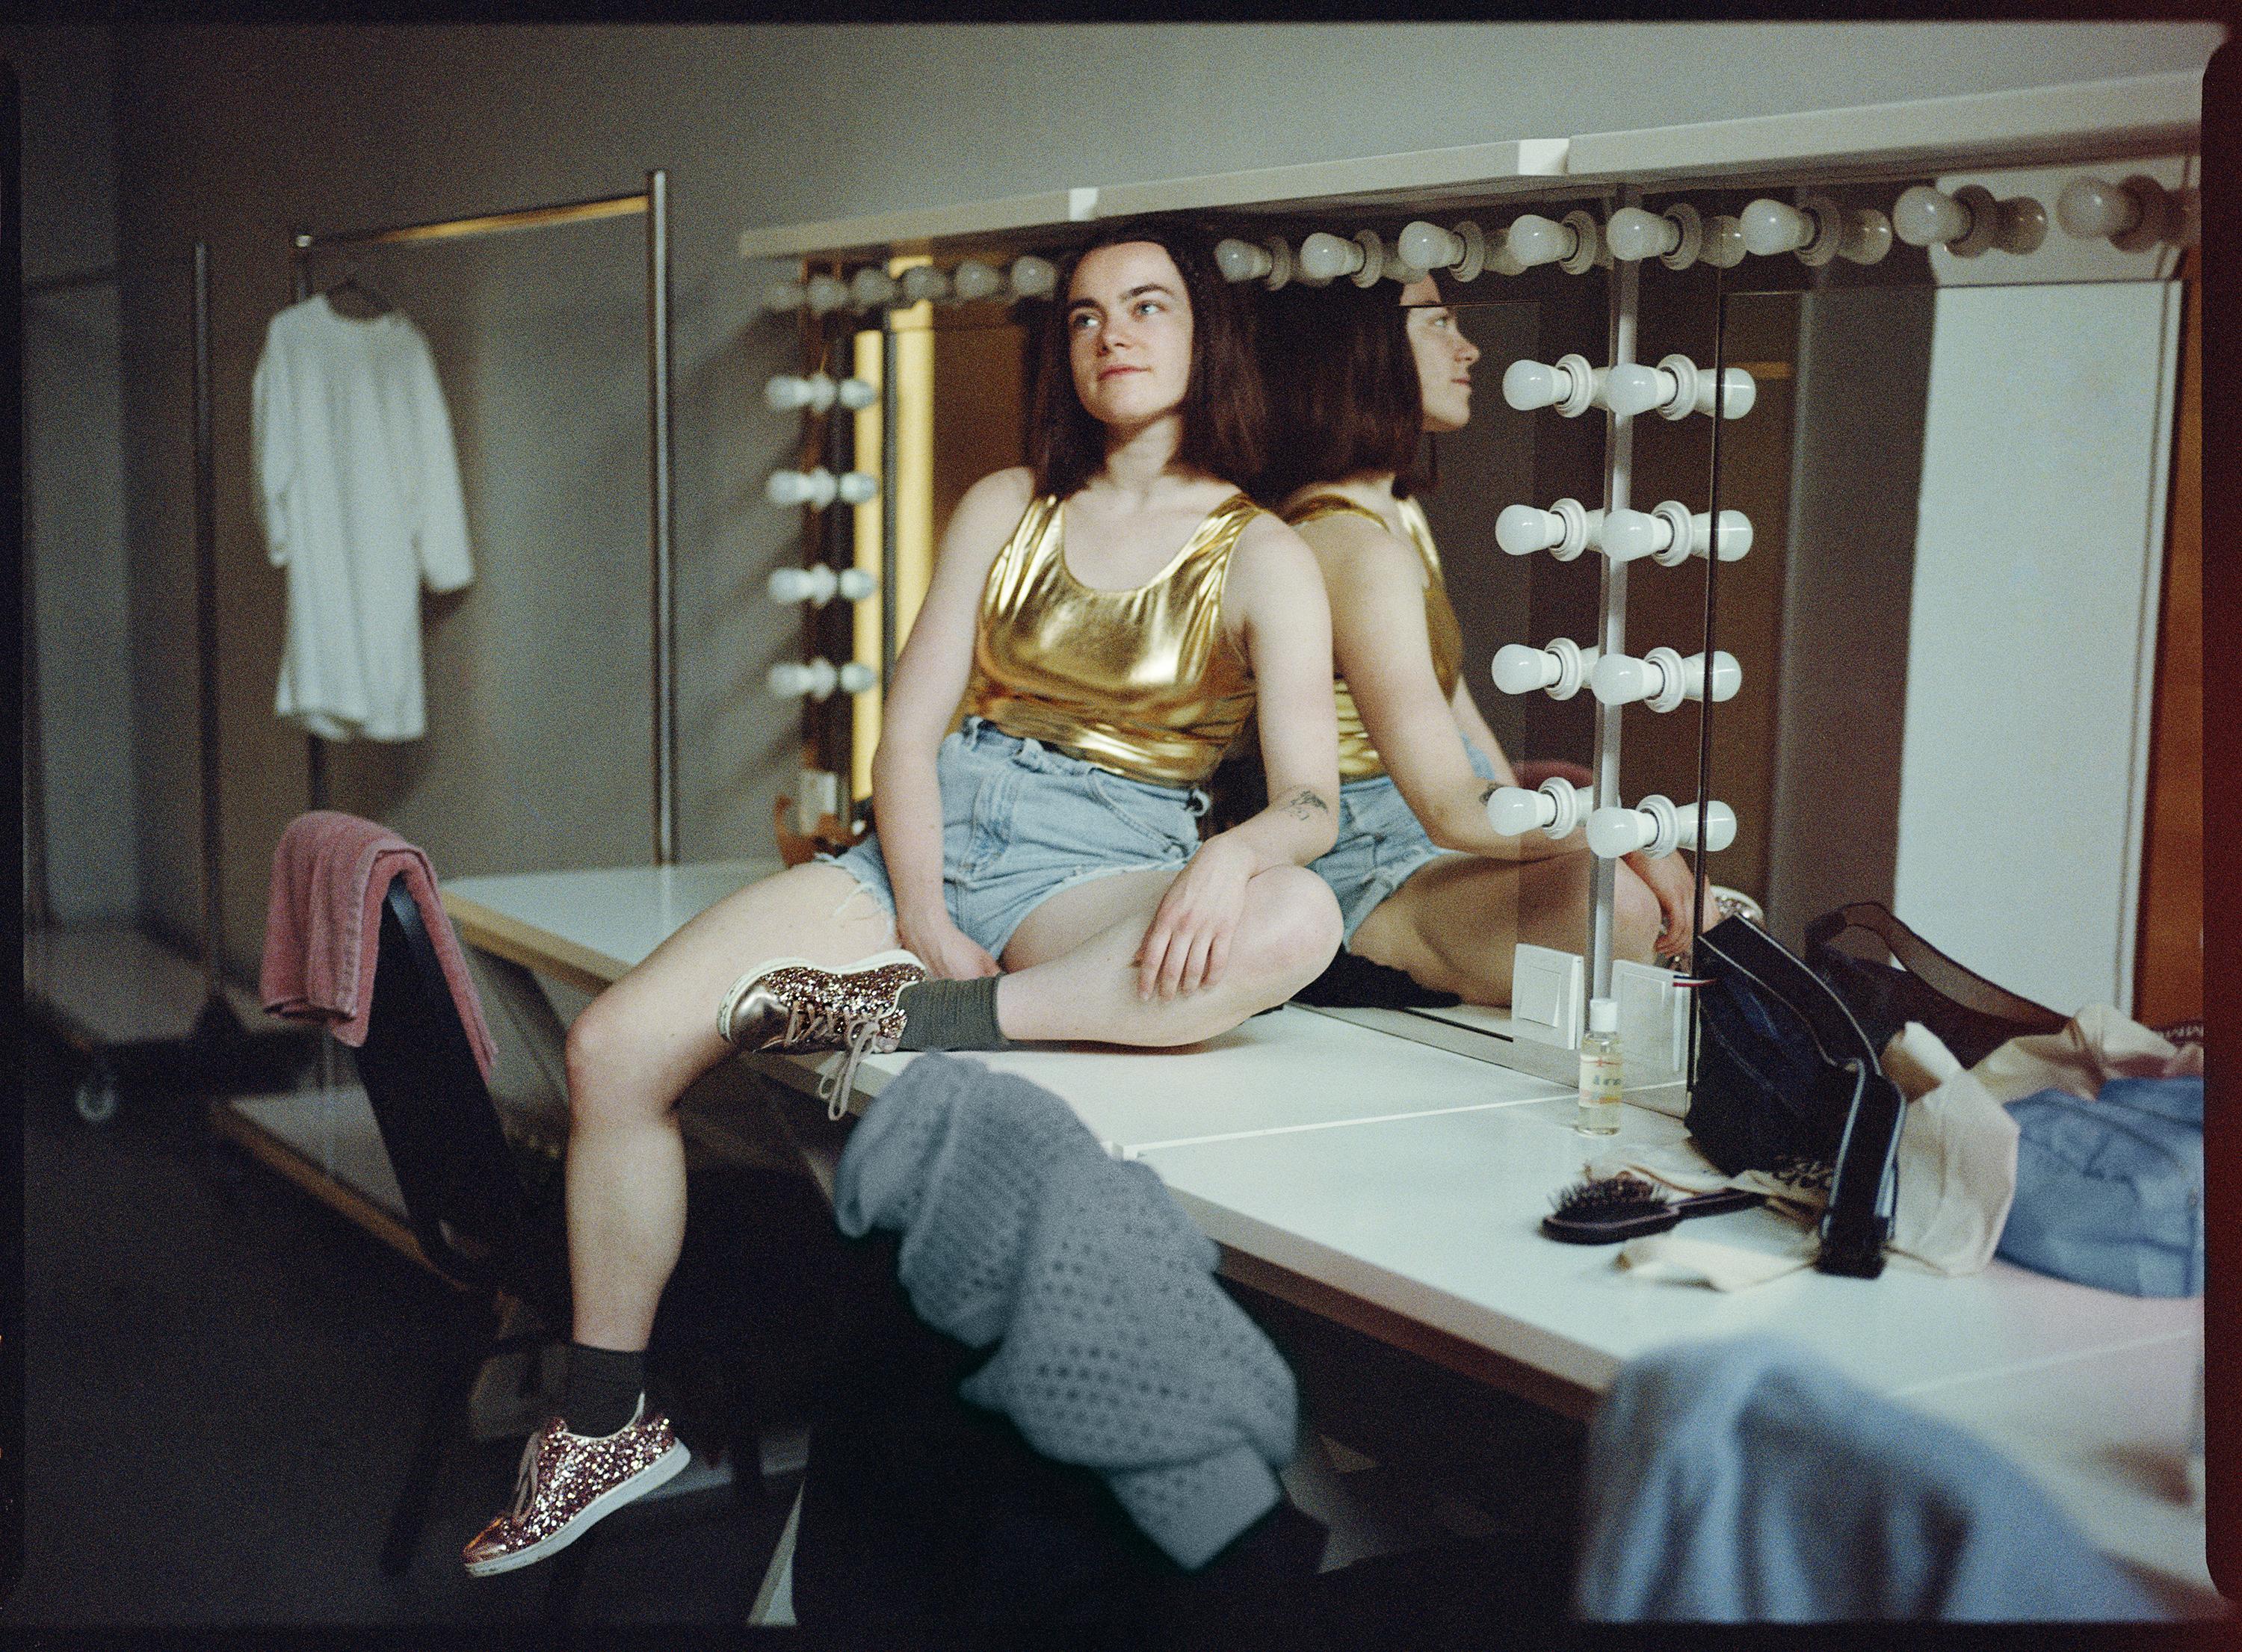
(1970, 1015)
(1782, 1071)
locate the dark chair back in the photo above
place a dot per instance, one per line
(464, 1193)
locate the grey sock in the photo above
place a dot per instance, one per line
(952, 1015)
(602, 1388)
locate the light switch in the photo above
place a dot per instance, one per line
(1544, 994)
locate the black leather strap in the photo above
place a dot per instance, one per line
(1929, 965)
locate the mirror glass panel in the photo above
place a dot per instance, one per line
(1954, 592)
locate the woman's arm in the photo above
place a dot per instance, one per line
(1274, 611)
(1377, 586)
(930, 677)
(1474, 729)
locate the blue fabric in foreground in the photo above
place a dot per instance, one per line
(1116, 1349)
(2110, 1192)
(1747, 1479)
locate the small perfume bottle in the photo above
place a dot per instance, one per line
(1598, 1115)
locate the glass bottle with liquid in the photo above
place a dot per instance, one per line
(1598, 1115)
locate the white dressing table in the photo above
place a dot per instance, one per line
(1396, 1187)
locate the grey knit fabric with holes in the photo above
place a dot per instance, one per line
(1117, 1350)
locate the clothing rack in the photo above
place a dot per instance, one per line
(218, 1020)
(651, 202)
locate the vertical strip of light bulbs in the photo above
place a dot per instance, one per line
(865, 708)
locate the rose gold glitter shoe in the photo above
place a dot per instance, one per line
(791, 1007)
(570, 1481)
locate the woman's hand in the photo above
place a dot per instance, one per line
(1675, 885)
(948, 952)
(1188, 944)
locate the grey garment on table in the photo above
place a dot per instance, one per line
(1116, 1349)
(1746, 1480)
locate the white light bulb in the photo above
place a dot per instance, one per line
(1514, 811)
(794, 584)
(2092, 209)
(1428, 246)
(1634, 234)
(1529, 385)
(1033, 277)
(1724, 242)
(856, 584)
(1613, 832)
(1628, 535)
(871, 287)
(1534, 239)
(923, 282)
(1631, 388)
(973, 279)
(1521, 530)
(782, 296)
(1770, 227)
(1619, 681)
(826, 295)
(1521, 670)
(855, 393)
(1923, 217)
(857, 488)
(856, 676)
(785, 392)
(1242, 260)
(1325, 257)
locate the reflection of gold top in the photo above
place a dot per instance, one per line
(1143, 680)
(1357, 757)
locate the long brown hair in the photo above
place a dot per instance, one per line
(1224, 412)
(1344, 394)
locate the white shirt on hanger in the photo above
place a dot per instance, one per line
(357, 490)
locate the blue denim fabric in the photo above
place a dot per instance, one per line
(1380, 844)
(1020, 822)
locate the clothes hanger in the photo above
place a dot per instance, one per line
(355, 297)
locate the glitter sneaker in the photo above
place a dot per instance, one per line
(791, 1007)
(570, 1481)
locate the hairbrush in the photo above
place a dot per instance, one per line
(1606, 1210)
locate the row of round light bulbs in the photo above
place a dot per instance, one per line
(872, 287)
(1656, 826)
(2134, 216)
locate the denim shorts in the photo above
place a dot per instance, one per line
(1380, 844)
(1020, 821)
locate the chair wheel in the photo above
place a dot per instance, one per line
(95, 1099)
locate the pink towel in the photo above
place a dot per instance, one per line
(323, 926)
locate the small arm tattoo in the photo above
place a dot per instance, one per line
(1488, 792)
(1302, 801)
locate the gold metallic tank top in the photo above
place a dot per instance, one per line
(1143, 680)
(1357, 757)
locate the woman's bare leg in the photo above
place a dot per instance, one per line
(633, 1053)
(1452, 925)
(1074, 975)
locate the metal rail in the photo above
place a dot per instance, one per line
(654, 203)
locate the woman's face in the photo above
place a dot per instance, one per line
(1443, 356)
(1129, 333)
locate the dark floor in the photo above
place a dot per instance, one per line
(222, 1382)
(222, 1378)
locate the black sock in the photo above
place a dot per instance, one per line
(603, 1388)
(952, 1015)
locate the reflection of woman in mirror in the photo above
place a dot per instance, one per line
(1109, 616)
(1424, 883)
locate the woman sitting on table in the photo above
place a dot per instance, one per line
(1425, 882)
(1109, 616)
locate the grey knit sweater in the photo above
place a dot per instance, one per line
(1117, 1351)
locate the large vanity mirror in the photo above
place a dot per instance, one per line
(1954, 470)
(1974, 485)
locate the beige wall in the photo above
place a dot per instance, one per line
(538, 675)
